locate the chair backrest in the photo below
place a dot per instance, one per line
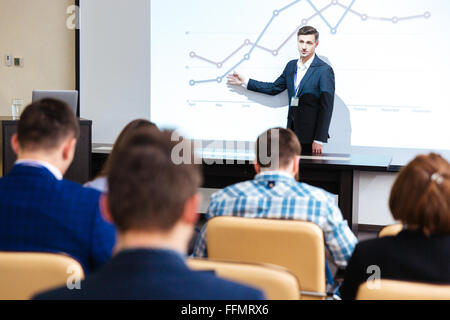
(403, 290)
(277, 283)
(297, 246)
(391, 230)
(23, 274)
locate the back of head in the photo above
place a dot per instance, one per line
(420, 196)
(275, 148)
(147, 190)
(45, 124)
(126, 132)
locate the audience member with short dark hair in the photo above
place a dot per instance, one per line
(275, 193)
(39, 210)
(100, 182)
(420, 200)
(153, 202)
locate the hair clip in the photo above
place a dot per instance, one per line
(437, 177)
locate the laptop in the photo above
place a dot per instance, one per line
(70, 97)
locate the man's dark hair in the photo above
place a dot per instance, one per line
(147, 190)
(44, 125)
(288, 147)
(308, 30)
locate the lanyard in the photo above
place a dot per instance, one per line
(295, 80)
(297, 90)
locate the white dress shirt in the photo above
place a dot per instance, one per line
(100, 184)
(36, 163)
(302, 69)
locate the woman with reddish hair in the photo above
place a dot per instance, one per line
(100, 182)
(420, 200)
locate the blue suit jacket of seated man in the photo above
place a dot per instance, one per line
(152, 274)
(40, 213)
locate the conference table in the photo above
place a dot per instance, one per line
(332, 172)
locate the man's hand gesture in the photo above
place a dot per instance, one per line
(236, 79)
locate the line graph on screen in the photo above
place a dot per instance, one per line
(255, 45)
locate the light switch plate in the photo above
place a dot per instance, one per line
(8, 60)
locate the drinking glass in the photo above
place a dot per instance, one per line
(16, 108)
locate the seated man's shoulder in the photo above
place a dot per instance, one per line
(236, 190)
(72, 192)
(200, 285)
(76, 187)
(316, 193)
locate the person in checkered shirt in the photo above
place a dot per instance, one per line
(275, 193)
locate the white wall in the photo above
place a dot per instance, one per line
(371, 196)
(115, 64)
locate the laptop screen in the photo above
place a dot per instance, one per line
(70, 97)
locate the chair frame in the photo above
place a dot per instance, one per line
(305, 224)
(42, 270)
(216, 265)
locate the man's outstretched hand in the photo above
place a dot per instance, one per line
(236, 79)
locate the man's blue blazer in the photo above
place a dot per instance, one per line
(40, 213)
(152, 274)
(311, 120)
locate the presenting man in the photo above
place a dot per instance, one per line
(310, 85)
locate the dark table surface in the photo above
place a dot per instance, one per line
(379, 163)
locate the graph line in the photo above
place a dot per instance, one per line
(320, 15)
(304, 22)
(343, 16)
(289, 5)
